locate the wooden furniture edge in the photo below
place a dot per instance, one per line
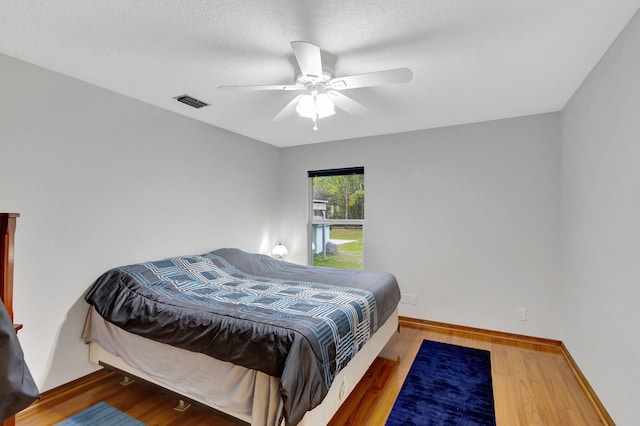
(7, 234)
(62, 393)
(421, 324)
(586, 388)
(591, 395)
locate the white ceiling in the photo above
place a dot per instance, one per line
(472, 60)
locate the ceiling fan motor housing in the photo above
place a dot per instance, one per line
(304, 80)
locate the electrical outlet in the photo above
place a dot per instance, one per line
(414, 299)
(521, 313)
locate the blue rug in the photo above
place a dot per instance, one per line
(101, 414)
(446, 385)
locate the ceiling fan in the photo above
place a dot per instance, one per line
(322, 88)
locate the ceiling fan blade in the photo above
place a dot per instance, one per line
(346, 104)
(288, 109)
(285, 87)
(309, 59)
(379, 78)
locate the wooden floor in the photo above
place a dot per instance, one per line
(532, 384)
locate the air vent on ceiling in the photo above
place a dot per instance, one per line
(192, 102)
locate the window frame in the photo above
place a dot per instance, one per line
(329, 172)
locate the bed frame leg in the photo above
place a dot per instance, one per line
(182, 406)
(126, 381)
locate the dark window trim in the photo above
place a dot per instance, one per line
(337, 172)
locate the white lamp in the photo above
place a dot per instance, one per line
(279, 251)
(315, 106)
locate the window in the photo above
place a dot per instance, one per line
(337, 217)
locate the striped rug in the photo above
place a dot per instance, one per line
(101, 414)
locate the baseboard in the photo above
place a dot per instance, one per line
(597, 405)
(63, 392)
(431, 325)
(586, 387)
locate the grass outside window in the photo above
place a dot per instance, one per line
(349, 255)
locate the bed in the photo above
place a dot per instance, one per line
(262, 340)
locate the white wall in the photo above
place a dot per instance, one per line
(601, 226)
(101, 180)
(466, 217)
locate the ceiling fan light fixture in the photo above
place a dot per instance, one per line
(306, 107)
(315, 106)
(324, 106)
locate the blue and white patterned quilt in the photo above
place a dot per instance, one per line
(303, 331)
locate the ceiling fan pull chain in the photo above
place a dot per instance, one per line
(315, 117)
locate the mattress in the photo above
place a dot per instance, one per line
(298, 323)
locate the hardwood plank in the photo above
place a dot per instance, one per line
(138, 400)
(533, 384)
